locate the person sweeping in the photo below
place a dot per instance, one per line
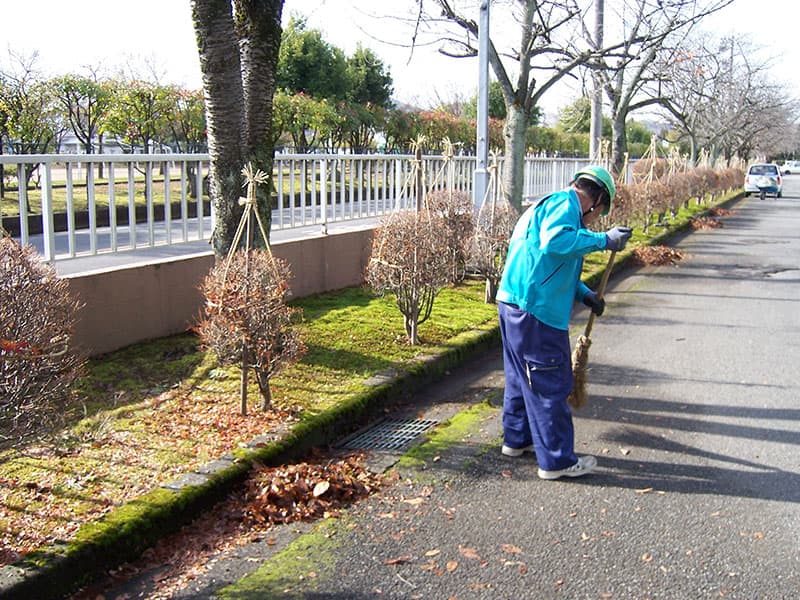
(540, 282)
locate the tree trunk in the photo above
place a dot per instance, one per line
(260, 31)
(266, 392)
(514, 168)
(411, 325)
(619, 142)
(222, 84)
(490, 291)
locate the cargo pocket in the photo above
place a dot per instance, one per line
(549, 375)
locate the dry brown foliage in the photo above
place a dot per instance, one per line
(246, 308)
(715, 211)
(705, 223)
(307, 491)
(410, 259)
(493, 229)
(37, 364)
(657, 255)
(662, 186)
(648, 169)
(455, 208)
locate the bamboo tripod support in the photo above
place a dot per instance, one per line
(252, 179)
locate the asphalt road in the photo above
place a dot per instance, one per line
(693, 416)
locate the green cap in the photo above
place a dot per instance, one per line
(602, 178)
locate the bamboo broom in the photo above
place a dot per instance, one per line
(580, 356)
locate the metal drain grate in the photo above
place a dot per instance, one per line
(390, 435)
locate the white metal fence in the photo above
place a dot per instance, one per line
(82, 205)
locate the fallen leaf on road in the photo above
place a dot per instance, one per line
(511, 549)
(512, 563)
(321, 488)
(398, 561)
(432, 552)
(469, 552)
(451, 566)
(414, 501)
(644, 490)
(507, 474)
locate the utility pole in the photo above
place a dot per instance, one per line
(481, 175)
(596, 123)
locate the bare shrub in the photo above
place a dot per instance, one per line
(495, 223)
(648, 169)
(455, 208)
(624, 209)
(37, 365)
(409, 259)
(246, 311)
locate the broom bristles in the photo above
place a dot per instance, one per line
(580, 358)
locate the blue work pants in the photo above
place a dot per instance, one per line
(538, 373)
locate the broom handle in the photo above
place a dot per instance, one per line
(600, 291)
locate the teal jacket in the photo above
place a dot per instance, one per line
(545, 257)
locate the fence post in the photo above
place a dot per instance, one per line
(48, 227)
(418, 178)
(323, 200)
(91, 206)
(112, 205)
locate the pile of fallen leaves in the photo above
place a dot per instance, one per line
(705, 223)
(306, 490)
(657, 255)
(716, 211)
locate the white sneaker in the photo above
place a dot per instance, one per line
(585, 464)
(508, 451)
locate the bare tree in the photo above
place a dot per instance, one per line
(238, 44)
(410, 260)
(650, 33)
(545, 52)
(245, 299)
(722, 97)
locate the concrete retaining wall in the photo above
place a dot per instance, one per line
(133, 304)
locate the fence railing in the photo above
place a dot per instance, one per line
(79, 205)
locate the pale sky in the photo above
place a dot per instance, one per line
(157, 37)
